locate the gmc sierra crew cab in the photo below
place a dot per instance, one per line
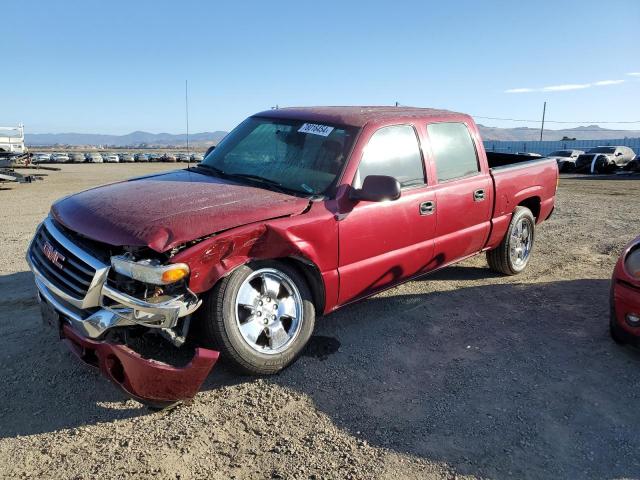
(297, 212)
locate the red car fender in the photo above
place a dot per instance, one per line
(625, 292)
(311, 238)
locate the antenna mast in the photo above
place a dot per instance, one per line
(186, 107)
(544, 110)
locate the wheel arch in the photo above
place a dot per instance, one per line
(304, 266)
(313, 277)
(532, 203)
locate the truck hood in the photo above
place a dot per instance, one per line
(166, 210)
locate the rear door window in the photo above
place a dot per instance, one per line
(453, 150)
(393, 151)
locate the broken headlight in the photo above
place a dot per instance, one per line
(149, 270)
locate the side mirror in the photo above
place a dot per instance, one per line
(377, 188)
(209, 150)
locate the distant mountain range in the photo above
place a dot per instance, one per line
(134, 139)
(138, 139)
(590, 132)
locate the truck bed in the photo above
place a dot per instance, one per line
(501, 160)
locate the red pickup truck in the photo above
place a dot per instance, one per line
(297, 212)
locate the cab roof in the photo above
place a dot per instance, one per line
(357, 116)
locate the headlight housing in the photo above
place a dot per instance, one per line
(632, 263)
(149, 270)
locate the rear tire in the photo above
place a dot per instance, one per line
(512, 256)
(567, 167)
(616, 334)
(260, 317)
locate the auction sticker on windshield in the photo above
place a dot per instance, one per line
(315, 129)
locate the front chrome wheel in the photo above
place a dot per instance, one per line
(521, 242)
(268, 310)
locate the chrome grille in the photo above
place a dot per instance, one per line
(68, 272)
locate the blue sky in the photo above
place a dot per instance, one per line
(119, 66)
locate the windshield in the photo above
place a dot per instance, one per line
(603, 150)
(297, 155)
(560, 153)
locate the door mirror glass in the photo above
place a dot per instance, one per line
(377, 188)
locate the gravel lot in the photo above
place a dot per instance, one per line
(460, 374)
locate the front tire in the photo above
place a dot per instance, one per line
(511, 257)
(616, 332)
(260, 317)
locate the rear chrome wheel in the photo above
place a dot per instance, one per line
(521, 242)
(512, 255)
(269, 311)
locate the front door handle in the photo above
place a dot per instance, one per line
(478, 195)
(427, 208)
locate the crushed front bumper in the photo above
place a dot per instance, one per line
(149, 381)
(84, 320)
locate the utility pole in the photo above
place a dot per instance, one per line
(186, 107)
(544, 110)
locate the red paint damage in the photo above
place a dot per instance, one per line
(625, 295)
(167, 210)
(149, 381)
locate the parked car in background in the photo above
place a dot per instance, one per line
(625, 296)
(566, 159)
(197, 157)
(169, 157)
(141, 157)
(93, 157)
(155, 157)
(604, 159)
(60, 158)
(183, 157)
(42, 158)
(76, 157)
(111, 158)
(298, 211)
(126, 157)
(634, 165)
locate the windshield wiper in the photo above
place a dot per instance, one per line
(249, 176)
(219, 172)
(261, 179)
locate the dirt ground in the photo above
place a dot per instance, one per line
(460, 374)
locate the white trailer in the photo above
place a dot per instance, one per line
(12, 139)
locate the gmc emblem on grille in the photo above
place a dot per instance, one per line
(53, 255)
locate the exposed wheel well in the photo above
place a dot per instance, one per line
(313, 277)
(533, 204)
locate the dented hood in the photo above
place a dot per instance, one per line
(166, 210)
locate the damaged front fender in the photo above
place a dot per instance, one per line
(311, 238)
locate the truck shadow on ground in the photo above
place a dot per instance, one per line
(503, 380)
(494, 380)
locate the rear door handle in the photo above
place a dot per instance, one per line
(478, 195)
(427, 208)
